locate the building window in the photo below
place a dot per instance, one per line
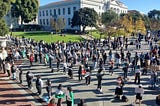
(69, 21)
(46, 12)
(74, 9)
(40, 13)
(69, 10)
(63, 11)
(54, 12)
(40, 21)
(50, 12)
(59, 11)
(43, 21)
(43, 13)
(47, 22)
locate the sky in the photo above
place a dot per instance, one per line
(143, 6)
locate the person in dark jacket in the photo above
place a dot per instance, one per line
(158, 100)
(80, 73)
(39, 85)
(20, 75)
(29, 77)
(99, 78)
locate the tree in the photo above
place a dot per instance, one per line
(3, 28)
(4, 8)
(26, 9)
(140, 26)
(58, 24)
(85, 17)
(154, 17)
(154, 14)
(109, 18)
(126, 23)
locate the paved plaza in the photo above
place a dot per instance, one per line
(89, 93)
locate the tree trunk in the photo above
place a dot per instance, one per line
(83, 30)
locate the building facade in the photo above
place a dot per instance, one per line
(66, 8)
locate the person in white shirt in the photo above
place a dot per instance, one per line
(8, 68)
(139, 92)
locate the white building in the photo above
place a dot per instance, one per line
(66, 10)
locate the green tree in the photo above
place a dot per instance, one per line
(154, 14)
(4, 8)
(3, 28)
(58, 24)
(26, 9)
(154, 17)
(86, 17)
(109, 18)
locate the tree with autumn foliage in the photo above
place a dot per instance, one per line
(140, 26)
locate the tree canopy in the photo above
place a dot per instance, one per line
(4, 8)
(85, 17)
(26, 9)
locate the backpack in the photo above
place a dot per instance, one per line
(124, 98)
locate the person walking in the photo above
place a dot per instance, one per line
(31, 59)
(158, 100)
(139, 92)
(88, 76)
(80, 77)
(111, 63)
(137, 74)
(119, 88)
(99, 78)
(13, 71)
(70, 97)
(20, 75)
(59, 94)
(49, 88)
(8, 68)
(39, 85)
(29, 78)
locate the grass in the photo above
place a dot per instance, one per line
(47, 37)
(96, 34)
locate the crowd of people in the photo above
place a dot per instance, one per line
(88, 56)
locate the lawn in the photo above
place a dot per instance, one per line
(47, 37)
(96, 34)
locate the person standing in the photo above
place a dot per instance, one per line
(39, 85)
(139, 92)
(70, 97)
(29, 78)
